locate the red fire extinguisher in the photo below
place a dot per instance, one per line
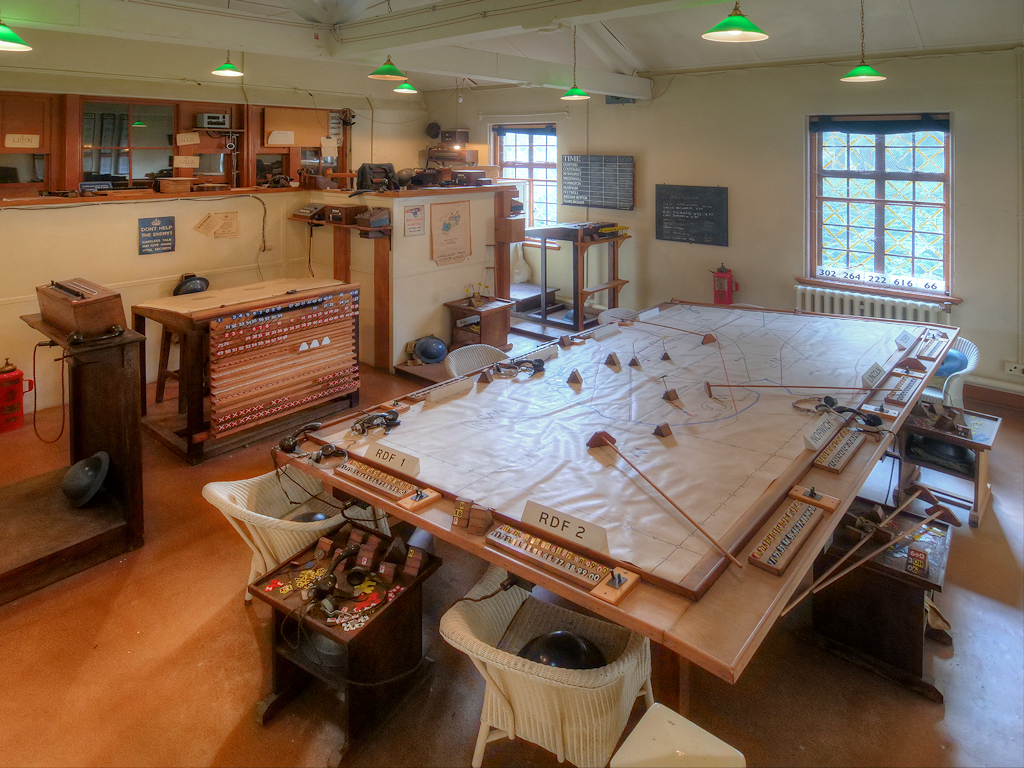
(12, 393)
(724, 285)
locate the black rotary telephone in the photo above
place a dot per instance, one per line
(290, 444)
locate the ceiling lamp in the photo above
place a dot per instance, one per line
(9, 41)
(575, 93)
(735, 28)
(138, 124)
(406, 87)
(227, 69)
(862, 73)
(387, 71)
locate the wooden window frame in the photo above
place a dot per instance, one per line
(879, 176)
(496, 149)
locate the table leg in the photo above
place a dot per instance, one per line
(982, 489)
(670, 679)
(139, 323)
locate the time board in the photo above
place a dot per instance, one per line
(598, 181)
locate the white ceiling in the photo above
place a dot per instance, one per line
(438, 43)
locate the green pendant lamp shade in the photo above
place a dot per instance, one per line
(406, 87)
(227, 69)
(138, 124)
(9, 41)
(387, 71)
(862, 73)
(575, 93)
(735, 28)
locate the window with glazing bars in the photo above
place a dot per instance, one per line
(881, 202)
(528, 154)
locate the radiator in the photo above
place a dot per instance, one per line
(832, 302)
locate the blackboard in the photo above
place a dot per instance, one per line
(692, 214)
(598, 181)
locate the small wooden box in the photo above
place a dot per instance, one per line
(80, 306)
(179, 185)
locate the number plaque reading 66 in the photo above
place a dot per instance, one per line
(878, 279)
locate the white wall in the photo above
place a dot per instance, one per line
(746, 130)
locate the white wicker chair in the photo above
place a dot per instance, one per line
(255, 506)
(471, 358)
(615, 314)
(950, 390)
(579, 714)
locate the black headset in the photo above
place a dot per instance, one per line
(870, 420)
(327, 451)
(290, 444)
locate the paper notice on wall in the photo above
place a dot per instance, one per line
(329, 146)
(210, 223)
(229, 224)
(22, 140)
(281, 138)
(181, 139)
(185, 161)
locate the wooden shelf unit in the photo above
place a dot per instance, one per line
(494, 325)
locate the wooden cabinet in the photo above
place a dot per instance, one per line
(486, 324)
(45, 538)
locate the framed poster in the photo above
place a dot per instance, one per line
(156, 235)
(450, 232)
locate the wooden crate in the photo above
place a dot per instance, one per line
(175, 186)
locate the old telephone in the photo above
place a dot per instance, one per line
(310, 212)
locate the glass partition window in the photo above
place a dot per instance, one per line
(125, 143)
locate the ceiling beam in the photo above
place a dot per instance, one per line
(454, 21)
(502, 68)
(607, 48)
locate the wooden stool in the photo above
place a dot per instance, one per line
(163, 373)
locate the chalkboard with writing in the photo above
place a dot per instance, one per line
(692, 214)
(598, 181)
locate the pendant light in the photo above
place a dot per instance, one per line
(862, 73)
(406, 87)
(227, 69)
(575, 93)
(9, 41)
(735, 28)
(138, 124)
(387, 71)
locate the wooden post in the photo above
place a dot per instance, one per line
(382, 357)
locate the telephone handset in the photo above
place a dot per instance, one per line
(310, 211)
(290, 444)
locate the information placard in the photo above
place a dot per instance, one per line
(692, 214)
(598, 181)
(156, 235)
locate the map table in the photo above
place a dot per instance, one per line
(729, 459)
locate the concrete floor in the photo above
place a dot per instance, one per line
(153, 659)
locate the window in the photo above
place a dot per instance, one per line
(528, 154)
(880, 192)
(126, 142)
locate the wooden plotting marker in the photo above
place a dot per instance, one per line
(665, 356)
(613, 360)
(603, 439)
(634, 363)
(670, 394)
(486, 377)
(574, 377)
(663, 430)
(565, 341)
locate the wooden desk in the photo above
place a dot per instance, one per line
(492, 327)
(517, 439)
(388, 647)
(876, 616)
(582, 236)
(984, 429)
(276, 349)
(45, 538)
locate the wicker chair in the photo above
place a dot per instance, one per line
(615, 314)
(579, 714)
(256, 508)
(950, 390)
(471, 358)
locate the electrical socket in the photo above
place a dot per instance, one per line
(1011, 367)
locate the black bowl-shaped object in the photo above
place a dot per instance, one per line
(84, 478)
(430, 349)
(192, 284)
(563, 649)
